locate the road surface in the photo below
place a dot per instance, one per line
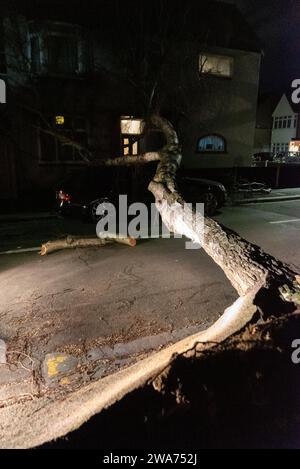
(112, 305)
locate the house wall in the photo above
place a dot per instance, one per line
(197, 106)
(262, 139)
(93, 97)
(221, 106)
(8, 181)
(283, 136)
(68, 98)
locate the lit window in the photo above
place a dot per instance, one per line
(130, 145)
(217, 65)
(130, 126)
(131, 130)
(294, 146)
(59, 120)
(211, 143)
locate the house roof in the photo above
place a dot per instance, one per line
(288, 94)
(215, 23)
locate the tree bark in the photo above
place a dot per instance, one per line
(71, 242)
(245, 264)
(130, 160)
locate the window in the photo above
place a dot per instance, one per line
(212, 143)
(61, 53)
(131, 126)
(57, 49)
(294, 146)
(52, 149)
(131, 130)
(285, 122)
(217, 65)
(278, 148)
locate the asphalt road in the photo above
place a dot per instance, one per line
(273, 226)
(110, 302)
(117, 303)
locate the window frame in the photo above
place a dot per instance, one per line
(212, 152)
(285, 122)
(133, 138)
(56, 29)
(214, 74)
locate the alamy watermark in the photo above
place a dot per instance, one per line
(2, 92)
(296, 353)
(296, 93)
(139, 220)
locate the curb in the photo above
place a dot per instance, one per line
(266, 199)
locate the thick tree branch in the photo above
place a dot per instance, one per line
(85, 154)
(129, 160)
(245, 265)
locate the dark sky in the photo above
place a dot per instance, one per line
(277, 23)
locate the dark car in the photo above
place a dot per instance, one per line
(212, 193)
(80, 195)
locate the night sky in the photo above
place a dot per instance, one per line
(277, 23)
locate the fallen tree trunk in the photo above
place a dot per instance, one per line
(245, 264)
(235, 365)
(71, 242)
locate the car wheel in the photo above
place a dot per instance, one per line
(210, 203)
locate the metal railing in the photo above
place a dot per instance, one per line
(287, 157)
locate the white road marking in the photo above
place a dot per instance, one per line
(284, 221)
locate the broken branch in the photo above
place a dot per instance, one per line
(71, 242)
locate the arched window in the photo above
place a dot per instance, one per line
(211, 143)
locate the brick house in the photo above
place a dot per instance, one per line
(68, 72)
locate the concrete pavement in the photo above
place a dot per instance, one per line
(276, 195)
